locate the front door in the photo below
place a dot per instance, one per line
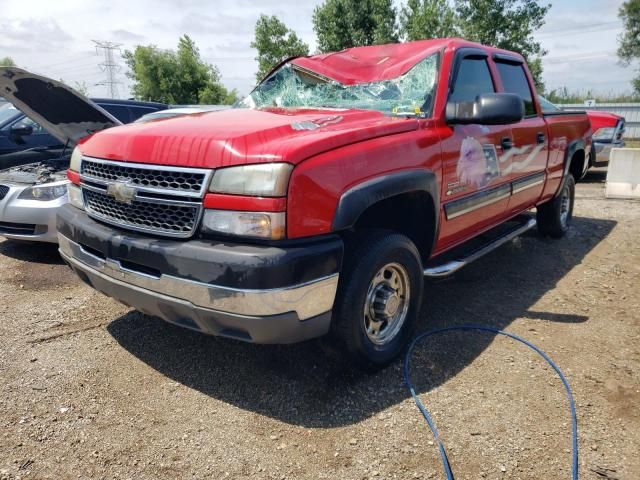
(475, 190)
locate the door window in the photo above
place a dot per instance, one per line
(474, 78)
(515, 81)
(137, 112)
(121, 112)
(27, 122)
(7, 112)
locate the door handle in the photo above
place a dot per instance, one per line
(540, 138)
(506, 143)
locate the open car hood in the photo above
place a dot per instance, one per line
(63, 112)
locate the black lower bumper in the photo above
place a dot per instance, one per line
(262, 294)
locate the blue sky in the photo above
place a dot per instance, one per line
(54, 38)
(581, 37)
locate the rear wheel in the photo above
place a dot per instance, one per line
(379, 299)
(554, 217)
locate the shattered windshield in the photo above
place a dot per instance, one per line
(291, 86)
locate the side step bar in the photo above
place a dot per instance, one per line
(453, 266)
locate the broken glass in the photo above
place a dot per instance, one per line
(294, 87)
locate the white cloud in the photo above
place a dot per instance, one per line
(581, 37)
(55, 38)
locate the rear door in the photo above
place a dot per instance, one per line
(475, 191)
(528, 156)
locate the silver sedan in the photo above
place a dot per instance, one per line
(28, 211)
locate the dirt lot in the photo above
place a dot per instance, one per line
(90, 389)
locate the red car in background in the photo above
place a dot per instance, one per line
(608, 132)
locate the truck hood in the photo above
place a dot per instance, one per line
(603, 120)
(63, 112)
(239, 136)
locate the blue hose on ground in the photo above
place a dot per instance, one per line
(432, 426)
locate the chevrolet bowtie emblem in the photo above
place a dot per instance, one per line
(123, 192)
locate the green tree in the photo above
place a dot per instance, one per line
(7, 62)
(629, 40)
(507, 24)
(341, 24)
(179, 77)
(275, 43)
(81, 87)
(424, 19)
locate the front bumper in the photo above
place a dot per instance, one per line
(603, 152)
(31, 220)
(261, 294)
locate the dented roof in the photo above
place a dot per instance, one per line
(378, 62)
(369, 64)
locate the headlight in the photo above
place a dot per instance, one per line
(267, 225)
(604, 134)
(75, 196)
(76, 160)
(265, 180)
(45, 192)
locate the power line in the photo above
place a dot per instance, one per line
(580, 28)
(109, 66)
(577, 32)
(579, 58)
(65, 62)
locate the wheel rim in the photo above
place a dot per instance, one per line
(565, 206)
(387, 304)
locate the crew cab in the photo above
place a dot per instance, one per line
(319, 205)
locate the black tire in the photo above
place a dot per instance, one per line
(366, 256)
(554, 217)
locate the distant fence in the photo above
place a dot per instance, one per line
(630, 111)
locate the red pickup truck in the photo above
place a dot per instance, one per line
(321, 203)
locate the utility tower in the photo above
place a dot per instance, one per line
(109, 66)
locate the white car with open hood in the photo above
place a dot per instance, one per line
(30, 195)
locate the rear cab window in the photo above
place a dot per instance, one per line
(515, 81)
(547, 106)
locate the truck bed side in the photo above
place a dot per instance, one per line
(569, 136)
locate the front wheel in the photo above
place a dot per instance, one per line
(379, 298)
(554, 217)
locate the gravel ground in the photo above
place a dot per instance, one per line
(91, 389)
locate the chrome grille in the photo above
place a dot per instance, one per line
(166, 201)
(3, 191)
(149, 216)
(174, 179)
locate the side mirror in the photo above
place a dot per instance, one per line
(21, 131)
(487, 109)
